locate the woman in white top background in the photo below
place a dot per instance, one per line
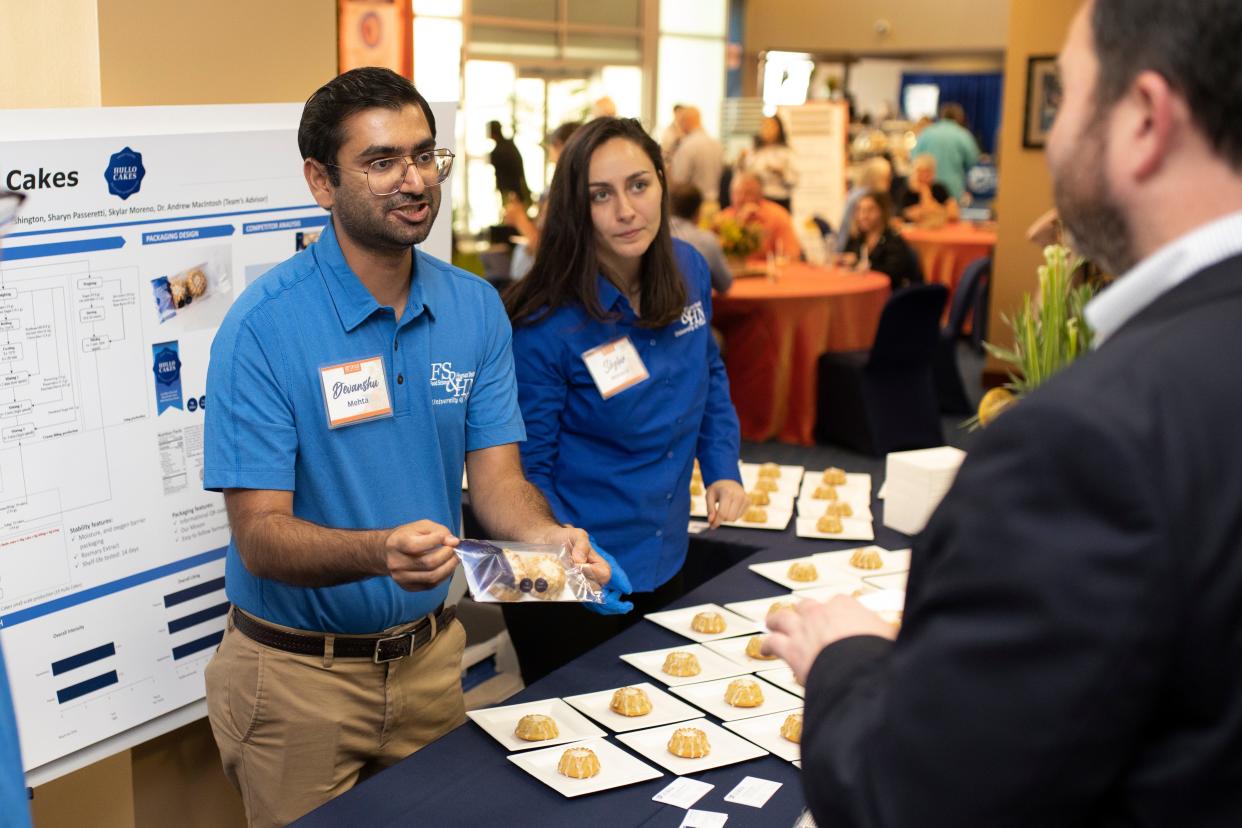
(772, 162)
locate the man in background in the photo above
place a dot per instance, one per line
(749, 206)
(953, 147)
(698, 159)
(507, 162)
(1071, 652)
(686, 203)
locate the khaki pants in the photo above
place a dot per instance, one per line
(295, 731)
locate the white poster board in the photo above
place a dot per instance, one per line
(111, 554)
(817, 133)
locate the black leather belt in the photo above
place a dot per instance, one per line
(378, 648)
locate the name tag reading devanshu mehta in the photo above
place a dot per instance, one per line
(615, 366)
(355, 392)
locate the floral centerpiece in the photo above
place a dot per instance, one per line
(738, 239)
(1049, 332)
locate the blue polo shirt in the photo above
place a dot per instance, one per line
(621, 467)
(450, 377)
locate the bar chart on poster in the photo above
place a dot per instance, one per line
(140, 228)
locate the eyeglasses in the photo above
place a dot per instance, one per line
(386, 175)
(10, 203)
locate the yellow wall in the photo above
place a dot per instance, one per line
(1036, 27)
(49, 54)
(214, 51)
(849, 26)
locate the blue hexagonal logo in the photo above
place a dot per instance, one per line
(124, 173)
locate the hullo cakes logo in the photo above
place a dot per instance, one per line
(124, 173)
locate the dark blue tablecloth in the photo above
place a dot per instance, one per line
(464, 778)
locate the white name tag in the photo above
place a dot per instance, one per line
(355, 391)
(615, 367)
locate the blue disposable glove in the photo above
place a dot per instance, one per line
(617, 586)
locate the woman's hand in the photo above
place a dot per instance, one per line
(726, 500)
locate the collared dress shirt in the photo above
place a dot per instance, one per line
(449, 372)
(621, 467)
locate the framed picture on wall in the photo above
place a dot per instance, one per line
(1043, 97)
(375, 33)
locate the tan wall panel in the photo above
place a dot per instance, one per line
(849, 26)
(156, 52)
(49, 54)
(99, 795)
(180, 773)
(1036, 27)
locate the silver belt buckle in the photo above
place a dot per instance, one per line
(379, 645)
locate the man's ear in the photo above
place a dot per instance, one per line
(1148, 118)
(320, 184)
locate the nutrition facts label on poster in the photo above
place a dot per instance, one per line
(131, 246)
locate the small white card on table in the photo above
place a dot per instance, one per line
(753, 791)
(683, 792)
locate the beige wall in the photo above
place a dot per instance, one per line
(49, 54)
(849, 26)
(1036, 27)
(214, 51)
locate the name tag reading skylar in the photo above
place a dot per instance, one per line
(354, 392)
(615, 366)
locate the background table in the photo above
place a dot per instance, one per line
(944, 252)
(776, 331)
(465, 778)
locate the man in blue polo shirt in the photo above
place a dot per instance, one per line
(348, 385)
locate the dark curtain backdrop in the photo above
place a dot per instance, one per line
(979, 94)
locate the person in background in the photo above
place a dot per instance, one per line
(515, 212)
(876, 177)
(604, 107)
(772, 162)
(613, 449)
(1071, 652)
(340, 656)
(671, 136)
(14, 801)
(698, 159)
(507, 162)
(953, 147)
(924, 200)
(747, 204)
(875, 245)
(685, 202)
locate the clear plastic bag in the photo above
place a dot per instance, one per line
(502, 572)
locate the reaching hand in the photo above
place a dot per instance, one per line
(581, 551)
(799, 635)
(726, 500)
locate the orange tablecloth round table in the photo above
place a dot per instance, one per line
(945, 251)
(775, 333)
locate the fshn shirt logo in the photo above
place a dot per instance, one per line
(456, 385)
(693, 318)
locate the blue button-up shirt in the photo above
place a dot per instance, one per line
(621, 467)
(449, 371)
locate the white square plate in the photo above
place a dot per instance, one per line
(664, 709)
(726, 748)
(789, 483)
(777, 521)
(709, 696)
(616, 768)
(756, 609)
(734, 649)
(679, 621)
(777, 502)
(853, 587)
(712, 665)
(783, 677)
(855, 484)
(778, 571)
(787, 472)
(851, 529)
(500, 722)
(898, 561)
(894, 580)
(765, 731)
(811, 508)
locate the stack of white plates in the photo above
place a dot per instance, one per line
(915, 483)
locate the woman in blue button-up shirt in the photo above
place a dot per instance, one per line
(613, 431)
